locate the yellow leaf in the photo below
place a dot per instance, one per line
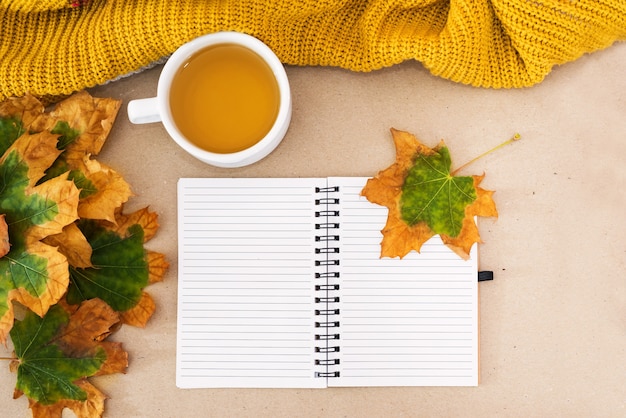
(73, 244)
(92, 117)
(112, 192)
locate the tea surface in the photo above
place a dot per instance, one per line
(225, 98)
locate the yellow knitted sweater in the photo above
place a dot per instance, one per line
(55, 47)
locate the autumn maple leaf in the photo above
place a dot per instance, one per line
(121, 266)
(57, 353)
(424, 199)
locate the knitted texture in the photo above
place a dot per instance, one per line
(56, 47)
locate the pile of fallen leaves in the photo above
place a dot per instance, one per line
(69, 255)
(425, 198)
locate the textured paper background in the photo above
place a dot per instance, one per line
(553, 331)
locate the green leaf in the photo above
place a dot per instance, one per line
(432, 195)
(45, 373)
(119, 272)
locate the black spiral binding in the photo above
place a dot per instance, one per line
(326, 289)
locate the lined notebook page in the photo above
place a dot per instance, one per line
(409, 322)
(246, 307)
(246, 298)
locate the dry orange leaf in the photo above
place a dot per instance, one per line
(424, 199)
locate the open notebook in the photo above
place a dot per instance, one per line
(281, 286)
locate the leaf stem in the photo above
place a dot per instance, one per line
(8, 358)
(514, 138)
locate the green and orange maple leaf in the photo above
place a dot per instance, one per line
(56, 354)
(424, 199)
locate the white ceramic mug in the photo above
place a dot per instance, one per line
(157, 109)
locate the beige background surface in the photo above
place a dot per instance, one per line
(553, 325)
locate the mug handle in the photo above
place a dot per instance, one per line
(143, 111)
